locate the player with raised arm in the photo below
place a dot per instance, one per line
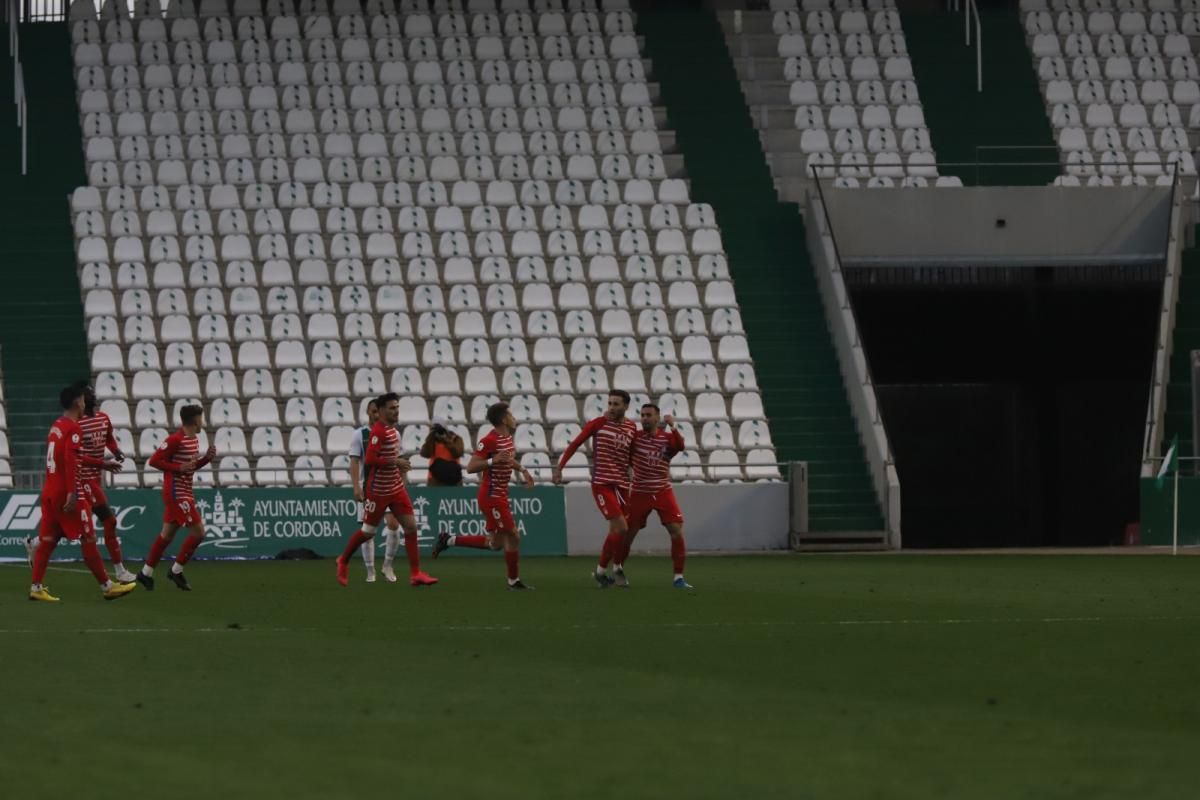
(495, 458)
(65, 508)
(178, 457)
(611, 436)
(385, 470)
(97, 438)
(358, 446)
(651, 454)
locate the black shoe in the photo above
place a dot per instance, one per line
(146, 581)
(441, 545)
(180, 581)
(519, 587)
(602, 580)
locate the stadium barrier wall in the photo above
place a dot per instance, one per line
(1156, 508)
(557, 521)
(260, 523)
(1001, 225)
(724, 517)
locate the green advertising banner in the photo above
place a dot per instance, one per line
(260, 523)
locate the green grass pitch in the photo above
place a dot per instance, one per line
(779, 677)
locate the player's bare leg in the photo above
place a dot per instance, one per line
(39, 562)
(411, 549)
(112, 543)
(186, 551)
(678, 554)
(391, 545)
(613, 544)
(160, 545)
(364, 535)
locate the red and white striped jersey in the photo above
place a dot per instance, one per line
(494, 483)
(610, 450)
(97, 436)
(383, 476)
(178, 449)
(652, 454)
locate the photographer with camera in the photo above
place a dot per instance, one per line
(444, 449)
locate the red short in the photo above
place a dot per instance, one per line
(182, 512)
(642, 503)
(375, 506)
(95, 493)
(56, 522)
(610, 499)
(497, 515)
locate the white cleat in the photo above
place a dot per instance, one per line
(125, 576)
(389, 573)
(370, 576)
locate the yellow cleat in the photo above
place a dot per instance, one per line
(43, 595)
(119, 590)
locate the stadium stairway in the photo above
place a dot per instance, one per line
(1186, 339)
(797, 368)
(41, 316)
(1008, 113)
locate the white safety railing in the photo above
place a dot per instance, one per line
(1157, 407)
(968, 9)
(12, 18)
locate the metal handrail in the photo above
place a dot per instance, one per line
(972, 7)
(12, 16)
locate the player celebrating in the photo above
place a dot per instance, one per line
(496, 459)
(179, 458)
(65, 509)
(611, 436)
(385, 492)
(652, 451)
(97, 437)
(358, 446)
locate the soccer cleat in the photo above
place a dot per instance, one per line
(370, 576)
(519, 586)
(602, 579)
(180, 581)
(147, 581)
(125, 576)
(441, 545)
(43, 595)
(343, 572)
(620, 580)
(421, 579)
(681, 583)
(118, 590)
(389, 573)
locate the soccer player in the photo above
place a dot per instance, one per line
(97, 438)
(652, 451)
(611, 437)
(65, 509)
(178, 457)
(385, 469)
(496, 459)
(358, 446)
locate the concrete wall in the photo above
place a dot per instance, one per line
(1043, 225)
(750, 517)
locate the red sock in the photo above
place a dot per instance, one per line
(156, 551)
(41, 558)
(478, 542)
(189, 548)
(412, 550)
(111, 541)
(612, 546)
(356, 541)
(626, 545)
(678, 553)
(512, 559)
(91, 557)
